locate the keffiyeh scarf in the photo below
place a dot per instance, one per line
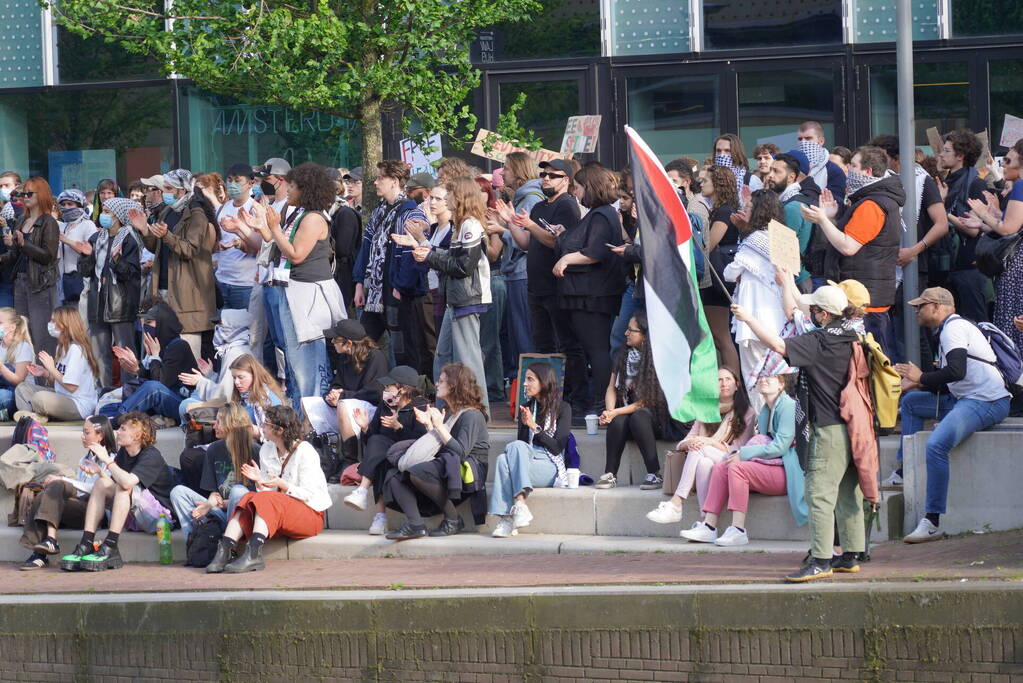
(106, 245)
(549, 427)
(385, 218)
(855, 182)
(740, 173)
(815, 154)
(182, 180)
(790, 191)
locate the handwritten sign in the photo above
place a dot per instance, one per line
(502, 148)
(934, 140)
(581, 135)
(783, 245)
(985, 151)
(420, 161)
(1012, 131)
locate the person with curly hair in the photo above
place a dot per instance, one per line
(635, 408)
(290, 499)
(136, 470)
(718, 189)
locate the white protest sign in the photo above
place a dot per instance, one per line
(581, 135)
(1012, 131)
(420, 161)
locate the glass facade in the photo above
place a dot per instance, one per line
(676, 115)
(737, 24)
(649, 27)
(548, 106)
(217, 131)
(986, 17)
(772, 104)
(75, 138)
(941, 98)
(1006, 87)
(562, 28)
(875, 22)
(88, 60)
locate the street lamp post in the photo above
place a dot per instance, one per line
(907, 158)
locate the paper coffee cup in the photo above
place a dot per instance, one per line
(573, 477)
(591, 424)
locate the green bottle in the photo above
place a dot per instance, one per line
(163, 535)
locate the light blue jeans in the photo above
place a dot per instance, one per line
(630, 304)
(520, 469)
(184, 500)
(308, 370)
(958, 419)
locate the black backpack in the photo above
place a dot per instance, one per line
(329, 447)
(202, 542)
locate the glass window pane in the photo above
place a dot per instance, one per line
(649, 27)
(733, 24)
(563, 28)
(77, 138)
(86, 60)
(875, 22)
(1006, 78)
(217, 131)
(772, 104)
(986, 17)
(676, 115)
(548, 106)
(941, 99)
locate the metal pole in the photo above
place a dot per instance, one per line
(907, 160)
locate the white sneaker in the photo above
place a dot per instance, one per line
(894, 481)
(665, 513)
(521, 516)
(699, 533)
(732, 536)
(504, 528)
(379, 525)
(606, 481)
(357, 499)
(925, 531)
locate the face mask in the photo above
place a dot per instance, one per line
(52, 328)
(169, 198)
(106, 220)
(856, 181)
(390, 398)
(257, 191)
(5, 194)
(150, 330)
(234, 190)
(71, 215)
(548, 192)
(1, 332)
(268, 189)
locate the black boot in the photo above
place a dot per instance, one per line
(224, 551)
(107, 557)
(249, 561)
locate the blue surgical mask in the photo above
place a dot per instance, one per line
(5, 194)
(1, 332)
(234, 190)
(106, 220)
(169, 198)
(257, 192)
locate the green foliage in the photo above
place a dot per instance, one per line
(351, 58)
(510, 130)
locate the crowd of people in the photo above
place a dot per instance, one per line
(262, 297)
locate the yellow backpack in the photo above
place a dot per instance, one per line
(885, 383)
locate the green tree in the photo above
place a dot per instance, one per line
(351, 58)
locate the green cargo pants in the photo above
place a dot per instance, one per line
(832, 491)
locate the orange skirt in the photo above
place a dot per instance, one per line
(284, 515)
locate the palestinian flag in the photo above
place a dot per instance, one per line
(683, 349)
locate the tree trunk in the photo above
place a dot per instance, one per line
(372, 150)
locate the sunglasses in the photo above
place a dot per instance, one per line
(552, 176)
(22, 194)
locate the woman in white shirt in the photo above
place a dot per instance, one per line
(16, 355)
(72, 373)
(291, 497)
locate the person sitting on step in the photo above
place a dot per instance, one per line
(62, 502)
(16, 355)
(291, 497)
(222, 480)
(768, 465)
(635, 408)
(138, 488)
(230, 341)
(432, 482)
(394, 421)
(355, 385)
(536, 459)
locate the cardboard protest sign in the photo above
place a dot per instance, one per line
(783, 245)
(581, 134)
(1012, 131)
(934, 140)
(420, 161)
(503, 148)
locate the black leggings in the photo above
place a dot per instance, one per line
(405, 495)
(591, 332)
(374, 462)
(639, 427)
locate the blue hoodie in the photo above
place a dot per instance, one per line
(513, 259)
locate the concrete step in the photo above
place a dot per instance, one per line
(138, 547)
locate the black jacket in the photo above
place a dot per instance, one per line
(40, 249)
(363, 384)
(175, 354)
(109, 302)
(562, 430)
(874, 264)
(411, 428)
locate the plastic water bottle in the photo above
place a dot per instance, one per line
(163, 535)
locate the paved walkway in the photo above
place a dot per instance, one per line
(993, 556)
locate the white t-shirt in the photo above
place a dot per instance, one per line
(983, 381)
(234, 266)
(76, 232)
(263, 258)
(23, 353)
(75, 368)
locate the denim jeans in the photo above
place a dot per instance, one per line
(520, 469)
(490, 339)
(308, 371)
(519, 325)
(7, 401)
(234, 296)
(958, 419)
(184, 500)
(6, 295)
(152, 398)
(274, 333)
(630, 304)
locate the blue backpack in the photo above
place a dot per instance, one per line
(1007, 356)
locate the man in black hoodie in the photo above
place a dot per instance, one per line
(865, 241)
(167, 356)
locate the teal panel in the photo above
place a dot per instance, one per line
(875, 22)
(21, 50)
(647, 27)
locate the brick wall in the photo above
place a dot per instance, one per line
(973, 636)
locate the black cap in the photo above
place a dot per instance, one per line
(354, 174)
(349, 329)
(401, 374)
(558, 165)
(241, 170)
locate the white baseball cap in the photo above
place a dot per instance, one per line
(827, 298)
